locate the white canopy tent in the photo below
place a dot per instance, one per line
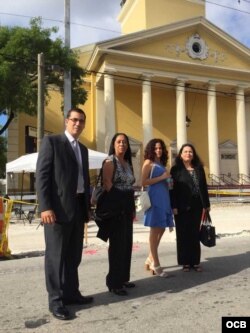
(27, 163)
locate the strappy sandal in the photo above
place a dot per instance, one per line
(158, 271)
(147, 264)
(186, 268)
(197, 268)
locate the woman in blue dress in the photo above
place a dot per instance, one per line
(159, 216)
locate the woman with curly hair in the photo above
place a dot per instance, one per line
(189, 198)
(159, 215)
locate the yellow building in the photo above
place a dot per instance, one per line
(172, 74)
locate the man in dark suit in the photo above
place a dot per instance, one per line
(62, 182)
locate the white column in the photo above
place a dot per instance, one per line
(247, 101)
(241, 132)
(180, 114)
(109, 102)
(147, 123)
(213, 147)
(100, 119)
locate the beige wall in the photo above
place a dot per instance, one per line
(170, 11)
(226, 107)
(138, 15)
(135, 17)
(128, 106)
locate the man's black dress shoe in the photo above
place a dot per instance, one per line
(60, 312)
(129, 284)
(81, 300)
(119, 292)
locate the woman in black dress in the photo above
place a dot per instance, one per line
(189, 198)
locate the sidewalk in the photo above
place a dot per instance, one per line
(184, 302)
(230, 220)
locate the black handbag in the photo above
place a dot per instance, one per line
(105, 207)
(97, 190)
(207, 230)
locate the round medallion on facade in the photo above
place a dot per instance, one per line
(196, 47)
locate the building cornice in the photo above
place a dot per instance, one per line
(220, 72)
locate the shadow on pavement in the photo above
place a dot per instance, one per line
(214, 268)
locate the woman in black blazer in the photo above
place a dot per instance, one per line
(189, 198)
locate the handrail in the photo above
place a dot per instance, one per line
(226, 180)
(214, 179)
(229, 180)
(243, 179)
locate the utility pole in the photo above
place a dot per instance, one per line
(40, 99)
(67, 74)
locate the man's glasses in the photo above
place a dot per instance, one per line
(75, 120)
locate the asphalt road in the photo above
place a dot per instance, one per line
(185, 302)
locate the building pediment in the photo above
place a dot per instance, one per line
(194, 42)
(195, 45)
(227, 145)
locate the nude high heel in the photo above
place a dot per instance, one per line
(147, 264)
(158, 271)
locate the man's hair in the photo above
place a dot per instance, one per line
(78, 110)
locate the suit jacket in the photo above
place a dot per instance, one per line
(181, 195)
(56, 177)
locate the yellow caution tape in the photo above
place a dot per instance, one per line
(5, 214)
(221, 192)
(21, 202)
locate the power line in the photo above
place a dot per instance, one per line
(135, 80)
(110, 30)
(160, 84)
(62, 22)
(224, 6)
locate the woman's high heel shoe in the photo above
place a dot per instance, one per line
(158, 271)
(147, 264)
(119, 292)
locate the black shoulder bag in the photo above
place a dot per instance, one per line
(106, 207)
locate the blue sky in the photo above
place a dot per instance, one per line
(96, 20)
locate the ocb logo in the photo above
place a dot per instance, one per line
(231, 323)
(236, 324)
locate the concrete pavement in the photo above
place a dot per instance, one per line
(186, 302)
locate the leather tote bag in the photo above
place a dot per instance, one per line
(207, 231)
